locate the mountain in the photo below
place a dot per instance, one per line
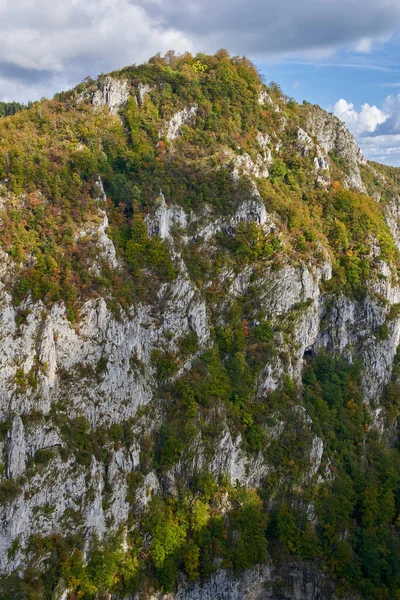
(199, 324)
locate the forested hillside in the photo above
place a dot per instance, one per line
(199, 323)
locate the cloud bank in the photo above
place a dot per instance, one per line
(47, 45)
(267, 27)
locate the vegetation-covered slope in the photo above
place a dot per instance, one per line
(220, 381)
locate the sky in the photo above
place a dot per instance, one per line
(341, 54)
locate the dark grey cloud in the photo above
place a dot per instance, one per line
(264, 27)
(14, 72)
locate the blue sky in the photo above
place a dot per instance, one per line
(346, 75)
(368, 74)
(341, 54)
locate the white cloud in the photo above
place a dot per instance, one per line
(364, 46)
(346, 112)
(364, 121)
(44, 42)
(370, 117)
(377, 130)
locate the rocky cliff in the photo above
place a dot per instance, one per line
(199, 323)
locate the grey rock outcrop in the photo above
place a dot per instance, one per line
(294, 582)
(16, 456)
(336, 141)
(166, 217)
(113, 93)
(243, 164)
(180, 118)
(393, 219)
(143, 89)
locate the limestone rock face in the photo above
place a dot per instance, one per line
(308, 148)
(289, 290)
(103, 368)
(294, 582)
(16, 458)
(166, 217)
(336, 141)
(112, 93)
(108, 249)
(350, 329)
(304, 141)
(244, 164)
(264, 98)
(182, 117)
(393, 219)
(85, 400)
(142, 90)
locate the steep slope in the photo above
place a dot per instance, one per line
(200, 316)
